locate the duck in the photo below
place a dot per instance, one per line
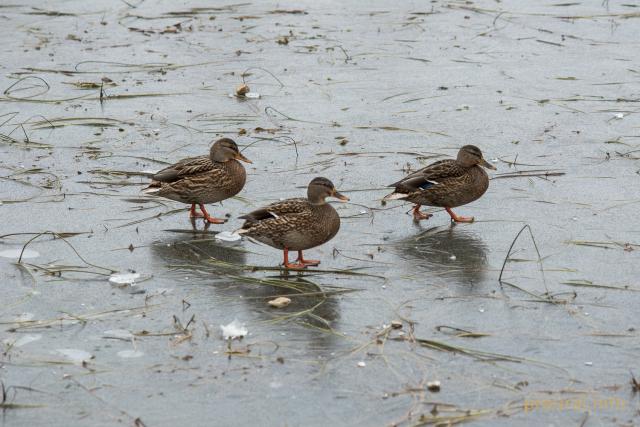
(296, 224)
(203, 179)
(446, 183)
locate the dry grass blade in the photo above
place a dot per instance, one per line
(590, 284)
(476, 354)
(74, 319)
(448, 420)
(119, 68)
(25, 144)
(78, 121)
(460, 333)
(506, 259)
(306, 272)
(528, 174)
(605, 244)
(64, 234)
(161, 214)
(53, 233)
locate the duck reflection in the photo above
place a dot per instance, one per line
(194, 247)
(450, 252)
(310, 306)
(205, 259)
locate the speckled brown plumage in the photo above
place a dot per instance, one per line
(199, 180)
(203, 179)
(296, 224)
(456, 185)
(446, 183)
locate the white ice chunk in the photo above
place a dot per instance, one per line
(124, 278)
(228, 236)
(233, 330)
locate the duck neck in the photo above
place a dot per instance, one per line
(316, 200)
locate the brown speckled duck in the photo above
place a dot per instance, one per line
(446, 183)
(296, 224)
(203, 179)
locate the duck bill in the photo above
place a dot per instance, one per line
(239, 156)
(487, 165)
(340, 196)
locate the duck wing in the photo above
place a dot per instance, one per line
(429, 176)
(186, 167)
(278, 210)
(277, 219)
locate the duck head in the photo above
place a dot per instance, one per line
(321, 188)
(470, 155)
(226, 149)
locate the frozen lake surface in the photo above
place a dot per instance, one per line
(94, 93)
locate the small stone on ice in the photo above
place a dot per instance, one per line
(242, 90)
(280, 302)
(361, 364)
(433, 385)
(396, 324)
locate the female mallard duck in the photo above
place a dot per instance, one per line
(297, 224)
(203, 179)
(446, 183)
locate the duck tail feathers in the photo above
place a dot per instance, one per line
(395, 196)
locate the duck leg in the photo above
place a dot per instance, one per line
(456, 218)
(417, 215)
(209, 218)
(305, 262)
(193, 213)
(286, 262)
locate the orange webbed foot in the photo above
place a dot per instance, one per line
(213, 220)
(307, 262)
(418, 215)
(210, 219)
(295, 265)
(456, 218)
